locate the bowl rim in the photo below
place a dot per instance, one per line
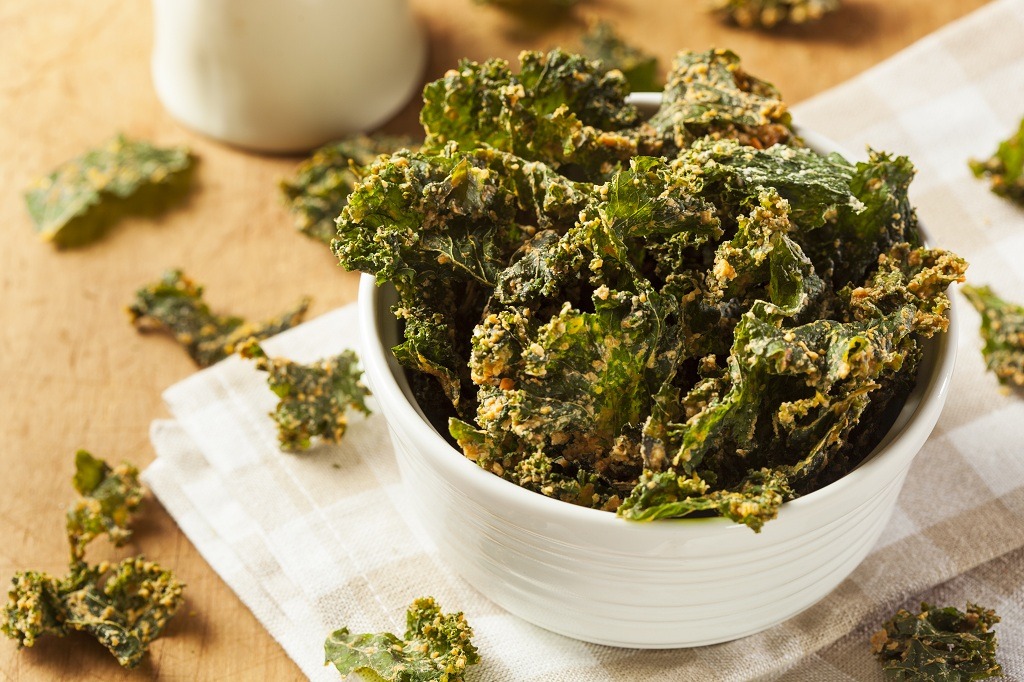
(387, 382)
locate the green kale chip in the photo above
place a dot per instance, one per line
(793, 389)
(845, 215)
(174, 305)
(322, 183)
(109, 497)
(436, 647)
(770, 13)
(709, 94)
(34, 607)
(573, 383)
(602, 43)
(1005, 169)
(1002, 330)
(715, 326)
(313, 398)
(667, 494)
(570, 113)
(125, 606)
(441, 227)
(938, 644)
(642, 207)
(561, 109)
(76, 203)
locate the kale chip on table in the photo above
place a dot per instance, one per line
(767, 14)
(126, 605)
(75, 204)
(174, 305)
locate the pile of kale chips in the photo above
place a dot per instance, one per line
(687, 314)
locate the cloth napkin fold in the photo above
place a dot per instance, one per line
(315, 541)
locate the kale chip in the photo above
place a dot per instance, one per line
(108, 498)
(76, 203)
(1002, 330)
(125, 606)
(938, 644)
(561, 109)
(709, 94)
(770, 13)
(175, 305)
(314, 398)
(322, 183)
(1005, 168)
(436, 647)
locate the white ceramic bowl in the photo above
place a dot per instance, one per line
(671, 583)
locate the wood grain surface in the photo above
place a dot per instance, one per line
(73, 372)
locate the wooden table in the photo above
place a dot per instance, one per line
(74, 374)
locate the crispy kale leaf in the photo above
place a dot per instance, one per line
(792, 389)
(570, 113)
(769, 13)
(1005, 169)
(938, 644)
(732, 174)
(572, 384)
(175, 305)
(844, 215)
(313, 398)
(441, 227)
(709, 94)
(34, 607)
(435, 647)
(1002, 330)
(602, 43)
(322, 183)
(669, 495)
(561, 109)
(109, 497)
(78, 201)
(125, 606)
(643, 207)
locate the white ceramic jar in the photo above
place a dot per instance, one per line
(285, 75)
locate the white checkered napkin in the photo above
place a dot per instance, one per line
(314, 541)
